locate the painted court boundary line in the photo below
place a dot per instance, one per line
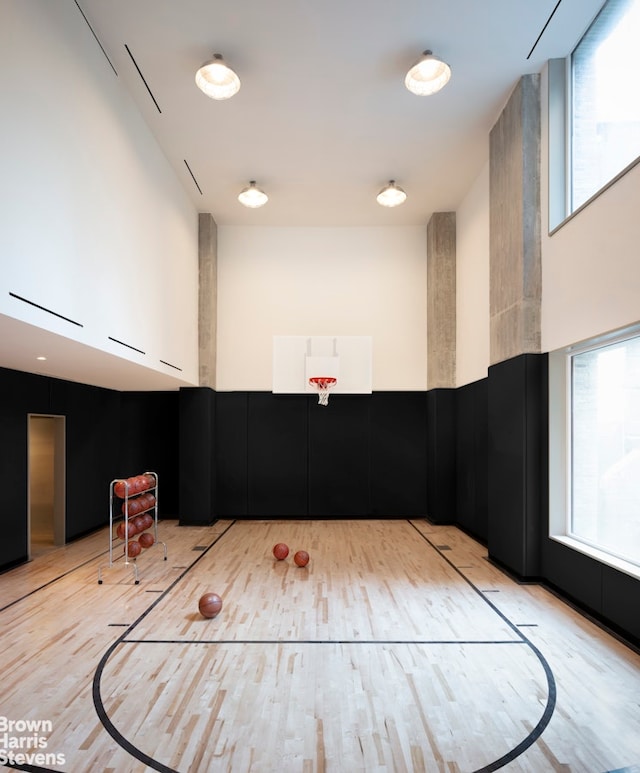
(54, 579)
(97, 697)
(521, 639)
(551, 683)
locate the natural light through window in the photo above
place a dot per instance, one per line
(606, 99)
(605, 449)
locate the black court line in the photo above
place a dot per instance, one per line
(551, 682)
(507, 758)
(97, 697)
(322, 641)
(55, 579)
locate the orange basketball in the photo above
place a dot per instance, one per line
(280, 551)
(301, 558)
(147, 519)
(134, 549)
(146, 539)
(139, 523)
(209, 605)
(126, 528)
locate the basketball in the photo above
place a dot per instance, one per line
(139, 523)
(209, 605)
(126, 529)
(147, 519)
(118, 489)
(132, 507)
(146, 540)
(280, 551)
(301, 558)
(134, 549)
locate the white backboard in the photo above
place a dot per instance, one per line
(297, 358)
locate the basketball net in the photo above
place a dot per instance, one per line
(323, 384)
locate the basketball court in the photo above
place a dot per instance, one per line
(399, 647)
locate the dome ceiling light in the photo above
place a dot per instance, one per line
(391, 195)
(216, 79)
(428, 75)
(252, 196)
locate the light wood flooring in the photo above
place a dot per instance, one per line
(398, 648)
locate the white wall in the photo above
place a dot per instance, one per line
(472, 283)
(591, 265)
(90, 209)
(321, 281)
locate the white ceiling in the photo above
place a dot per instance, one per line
(322, 120)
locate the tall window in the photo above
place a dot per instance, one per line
(605, 130)
(605, 448)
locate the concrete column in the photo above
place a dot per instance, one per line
(515, 262)
(441, 301)
(207, 298)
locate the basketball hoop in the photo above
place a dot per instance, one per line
(323, 384)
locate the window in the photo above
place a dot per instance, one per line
(595, 429)
(594, 110)
(605, 126)
(605, 448)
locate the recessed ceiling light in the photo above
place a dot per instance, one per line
(41, 358)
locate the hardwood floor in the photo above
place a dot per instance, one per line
(398, 648)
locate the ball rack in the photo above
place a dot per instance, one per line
(116, 515)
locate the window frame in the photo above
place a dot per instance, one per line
(560, 450)
(560, 158)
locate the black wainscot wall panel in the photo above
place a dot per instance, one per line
(197, 459)
(471, 459)
(20, 394)
(621, 602)
(518, 462)
(231, 454)
(149, 441)
(339, 447)
(277, 454)
(398, 454)
(92, 445)
(441, 456)
(576, 575)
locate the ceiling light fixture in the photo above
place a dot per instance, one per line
(216, 79)
(391, 195)
(428, 75)
(252, 196)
